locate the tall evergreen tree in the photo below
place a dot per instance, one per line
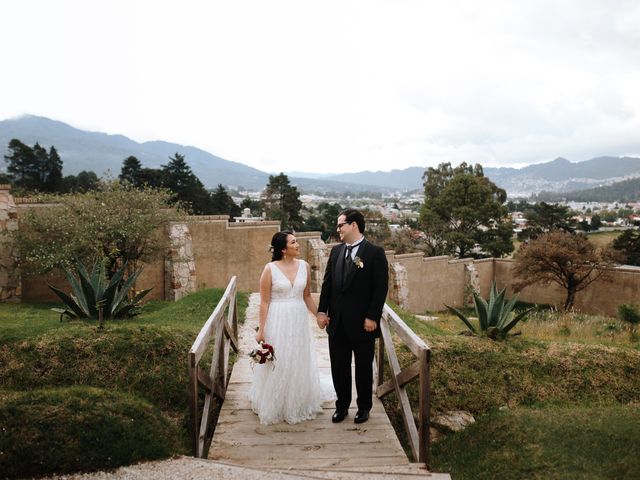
(22, 165)
(628, 244)
(464, 213)
(181, 180)
(223, 204)
(153, 177)
(54, 171)
(32, 168)
(131, 171)
(281, 201)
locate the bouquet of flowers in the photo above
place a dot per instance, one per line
(263, 354)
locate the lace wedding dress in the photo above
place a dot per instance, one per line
(288, 389)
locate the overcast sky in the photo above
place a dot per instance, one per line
(335, 86)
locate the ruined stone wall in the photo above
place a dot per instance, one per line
(9, 278)
(206, 251)
(316, 253)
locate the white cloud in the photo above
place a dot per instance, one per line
(335, 85)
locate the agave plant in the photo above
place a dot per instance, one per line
(92, 292)
(496, 317)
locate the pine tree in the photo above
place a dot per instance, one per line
(181, 180)
(33, 168)
(131, 171)
(223, 204)
(281, 202)
(54, 171)
(22, 165)
(628, 244)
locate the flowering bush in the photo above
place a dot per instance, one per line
(116, 223)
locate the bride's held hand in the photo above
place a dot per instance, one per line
(259, 336)
(322, 320)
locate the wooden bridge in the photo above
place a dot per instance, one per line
(312, 449)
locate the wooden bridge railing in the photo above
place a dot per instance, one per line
(225, 335)
(418, 437)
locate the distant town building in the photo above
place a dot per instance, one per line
(247, 217)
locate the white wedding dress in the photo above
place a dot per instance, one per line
(288, 389)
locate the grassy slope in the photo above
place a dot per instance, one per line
(556, 392)
(79, 428)
(143, 357)
(550, 443)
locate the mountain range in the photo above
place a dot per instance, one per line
(100, 152)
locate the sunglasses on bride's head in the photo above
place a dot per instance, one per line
(340, 225)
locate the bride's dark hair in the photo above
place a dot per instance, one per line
(278, 244)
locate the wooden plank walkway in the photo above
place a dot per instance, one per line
(317, 444)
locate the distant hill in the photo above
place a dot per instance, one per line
(82, 150)
(407, 179)
(100, 152)
(625, 191)
(561, 175)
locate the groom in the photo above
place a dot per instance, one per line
(351, 301)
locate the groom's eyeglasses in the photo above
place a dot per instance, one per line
(340, 225)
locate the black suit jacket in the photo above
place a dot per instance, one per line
(361, 295)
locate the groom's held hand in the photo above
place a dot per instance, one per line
(370, 325)
(322, 320)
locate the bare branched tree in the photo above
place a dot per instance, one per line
(567, 259)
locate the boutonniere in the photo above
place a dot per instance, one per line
(358, 262)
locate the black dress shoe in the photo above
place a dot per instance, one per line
(361, 417)
(339, 415)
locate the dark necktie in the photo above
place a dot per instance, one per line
(348, 262)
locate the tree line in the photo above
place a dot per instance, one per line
(34, 170)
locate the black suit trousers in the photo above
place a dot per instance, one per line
(341, 350)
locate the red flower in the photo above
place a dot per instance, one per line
(263, 354)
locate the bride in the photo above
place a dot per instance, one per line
(288, 389)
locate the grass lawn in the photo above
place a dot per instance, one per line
(601, 239)
(547, 404)
(141, 360)
(604, 238)
(559, 401)
(555, 442)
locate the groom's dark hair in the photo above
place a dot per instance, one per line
(351, 216)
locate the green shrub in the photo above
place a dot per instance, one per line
(79, 428)
(629, 313)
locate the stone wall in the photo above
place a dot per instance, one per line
(432, 282)
(206, 251)
(222, 250)
(10, 288)
(179, 264)
(601, 297)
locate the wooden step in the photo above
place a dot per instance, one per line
(387, 472)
